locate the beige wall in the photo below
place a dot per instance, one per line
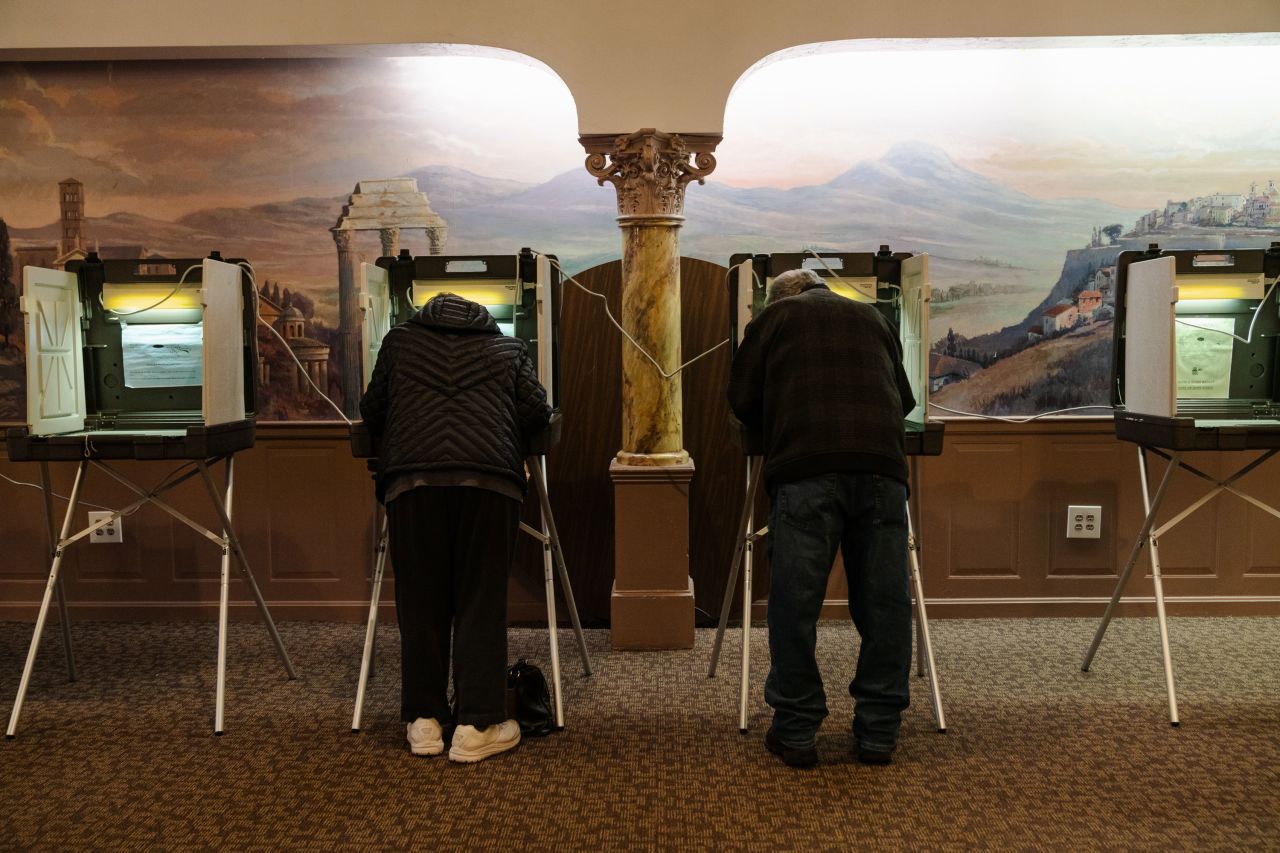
(660, 63)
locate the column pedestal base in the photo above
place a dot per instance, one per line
(652, 601)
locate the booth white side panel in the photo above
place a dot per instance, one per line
(223, 370)
(375, 305)
(546, 355)
(742, 306)
(915, 331)
(1149, 365)
(55, 343)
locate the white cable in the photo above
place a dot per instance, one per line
(167, 297)
(87, 503)
(1022, 420)
(625, 333)
(55, 494)
(1248, 339)
(1018, 419)
(847, 284)
(257, 312)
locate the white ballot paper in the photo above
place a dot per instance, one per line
(162, 356)
(1204, 357)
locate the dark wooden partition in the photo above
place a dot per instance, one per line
(591, 388)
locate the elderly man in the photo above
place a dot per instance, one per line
(820, 378)
(453, 402)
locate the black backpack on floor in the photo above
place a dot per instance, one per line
(527, 687)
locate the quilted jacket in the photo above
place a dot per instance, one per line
(451, 393)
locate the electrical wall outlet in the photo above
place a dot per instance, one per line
(1084, 522)
(110, 532)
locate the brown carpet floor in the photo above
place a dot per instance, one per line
(1038, 756)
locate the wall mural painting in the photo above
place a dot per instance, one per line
(1023, 173)
(257, 159)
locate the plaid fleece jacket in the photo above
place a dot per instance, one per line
(820, 378)
(450, 392)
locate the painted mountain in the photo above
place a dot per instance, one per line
(915, 197)
(997, 251)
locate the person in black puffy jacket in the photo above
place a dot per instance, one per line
(451, 406)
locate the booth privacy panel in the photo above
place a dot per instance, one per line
(375, 305)
(1149, 338)
(55, 370)
(913, 328)
(223, 376)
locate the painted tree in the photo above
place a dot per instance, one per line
(1113, 232)
(953, 343)
(303, 303)
(8, 290)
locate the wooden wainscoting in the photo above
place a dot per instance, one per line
(992, 519)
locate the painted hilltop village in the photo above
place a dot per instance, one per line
(1059, 355)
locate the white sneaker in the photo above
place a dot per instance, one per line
(472, 744)
(425, 736)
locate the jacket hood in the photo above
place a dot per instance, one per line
(451, 313)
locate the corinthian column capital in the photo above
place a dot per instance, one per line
(649, 168)
(344, 238)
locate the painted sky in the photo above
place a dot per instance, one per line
(1133, 125)
(165, 138)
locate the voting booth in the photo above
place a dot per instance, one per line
(522, 293)
(1194, 367)
(897, 285)
(1195, 348)
(140, 359)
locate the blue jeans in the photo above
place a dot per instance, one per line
(865, 516)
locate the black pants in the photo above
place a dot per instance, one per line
(451, 548)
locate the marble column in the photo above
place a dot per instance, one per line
(390, 238)
(349, 320)
(652, 601)
(436, 238)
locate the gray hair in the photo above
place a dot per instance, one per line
(791, 283)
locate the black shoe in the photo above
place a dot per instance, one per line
(867, 755)
(792, 756)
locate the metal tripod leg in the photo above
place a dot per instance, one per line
(553, 563)
(549, 587)
(922, 621)
(739, 548)
(539, 473)
(231, 545)
(229, 532)
(224, 592)
(915, 545)
(50, 586)
(921, 667)
(64, 618)
(366, 661)
(1152, 506)
(1154, 554)
(745, 684)
(375, 583)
